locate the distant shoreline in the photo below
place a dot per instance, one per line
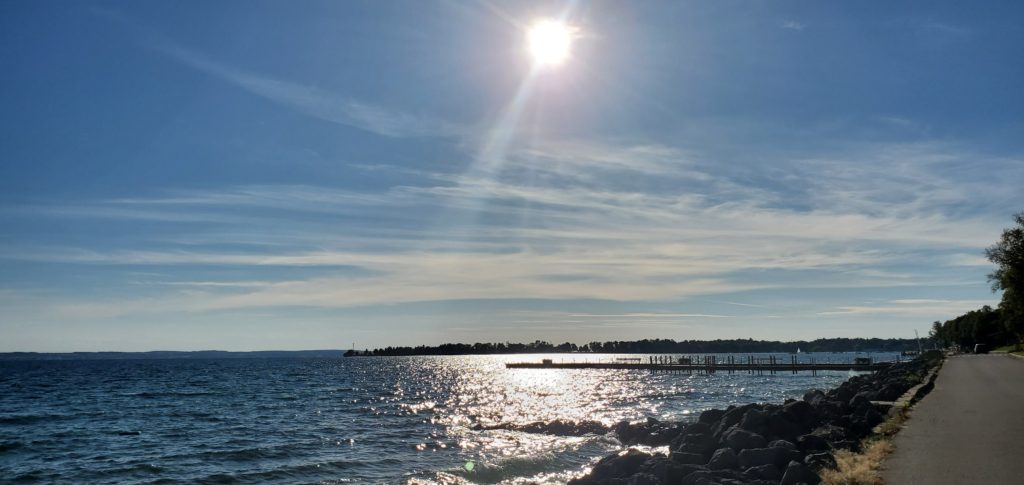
(172, 355)
(657, 346)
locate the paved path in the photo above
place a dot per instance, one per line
(968, 430)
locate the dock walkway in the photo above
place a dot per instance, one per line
(711, 365)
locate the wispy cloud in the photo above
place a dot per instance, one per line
(903, 124)
(589, 159)
(648, 315)
(575, 231)
(940, 34)
(733, 303)
(946, 28)
(309, 100)
(792, 25)
(969, 259)
(319, 103)
(912, 308)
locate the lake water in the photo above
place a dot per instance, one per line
(355, 420)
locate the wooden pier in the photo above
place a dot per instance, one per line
(711, 364)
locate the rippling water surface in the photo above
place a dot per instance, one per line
(356, 420)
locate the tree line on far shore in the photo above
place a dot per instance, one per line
(655, 346)
(994, 327)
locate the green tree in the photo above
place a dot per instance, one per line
(938, 334)
(1008, 255)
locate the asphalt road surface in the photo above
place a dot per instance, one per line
(968, 430)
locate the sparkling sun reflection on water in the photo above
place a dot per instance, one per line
(490, 396)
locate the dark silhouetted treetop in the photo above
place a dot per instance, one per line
(1008, 255)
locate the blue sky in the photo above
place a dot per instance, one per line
(272, 175)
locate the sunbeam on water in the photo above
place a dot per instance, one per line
(460, 419)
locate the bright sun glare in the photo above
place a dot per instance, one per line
(549, 42)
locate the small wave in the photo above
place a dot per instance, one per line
(290, 473)
(220, 478)
(440, 478)
(508, 469)
(195, 415)
(163, 394)
(148, 468)
(10, 446)
(30, 418)
(28, 477)
(249, 454)
(556, 427)
(140, 468)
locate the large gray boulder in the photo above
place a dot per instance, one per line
(732, 417)
(765, 472)
(711, 416)
(799, 412)
(860, 402)
(692, 429)
(831, 432)
(755, 420)
(724, 477)
(664, 470)
(782, 444)
(644, 479)
(890, 392)
(723, 459)
(818, 461)
(702, 444)
(780, 427)
(619, 466)
(739, 439)
(697, 428)
(797, 473)
(763, 456)
(684, 458)
(814, 397)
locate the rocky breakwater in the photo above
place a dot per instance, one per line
(765, 444)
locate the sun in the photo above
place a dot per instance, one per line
(549, 42)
